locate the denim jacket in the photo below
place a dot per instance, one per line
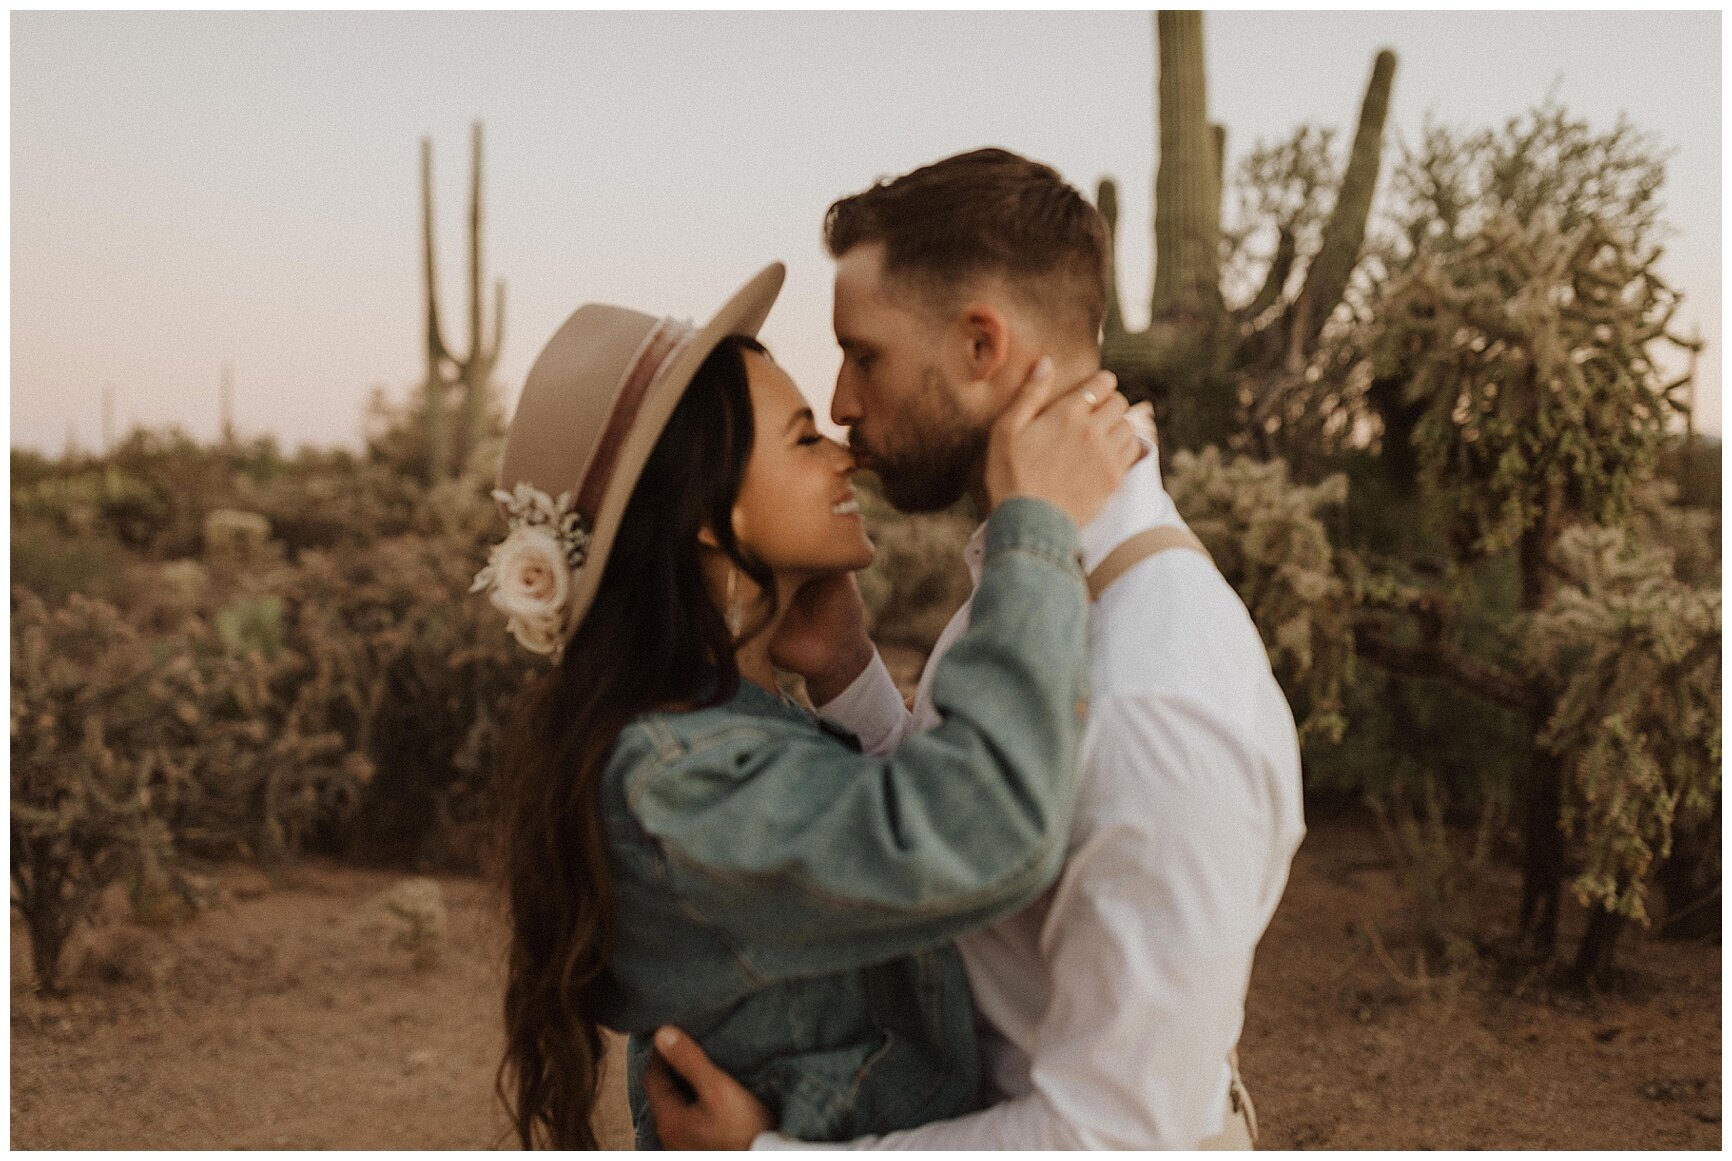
(789, 901)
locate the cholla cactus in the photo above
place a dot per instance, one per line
(1536, 375)
(1268, 539)
(85, 770)
(1636, 655)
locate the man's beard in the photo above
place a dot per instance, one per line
(938, 451)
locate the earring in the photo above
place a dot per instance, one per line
(733, 615)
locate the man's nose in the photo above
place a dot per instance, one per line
(844, 403)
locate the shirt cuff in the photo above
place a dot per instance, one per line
(871, 708)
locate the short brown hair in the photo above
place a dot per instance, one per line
(987, 211)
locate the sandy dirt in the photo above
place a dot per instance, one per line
(286, 1017)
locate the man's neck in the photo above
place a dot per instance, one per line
(1071, 368)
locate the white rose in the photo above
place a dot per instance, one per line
(530, 579)
(538, 635)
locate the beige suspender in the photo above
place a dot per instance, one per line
(1137, 549)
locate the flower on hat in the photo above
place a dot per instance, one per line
(528, 575)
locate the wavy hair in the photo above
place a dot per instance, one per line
(653, 639)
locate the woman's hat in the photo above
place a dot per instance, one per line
(594, 404)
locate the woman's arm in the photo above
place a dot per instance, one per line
(817, 858)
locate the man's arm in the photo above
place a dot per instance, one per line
(872, 709)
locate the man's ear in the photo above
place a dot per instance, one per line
(987, 333)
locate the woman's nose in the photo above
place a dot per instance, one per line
(846, 464)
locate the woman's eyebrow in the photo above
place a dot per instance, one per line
(803, 413)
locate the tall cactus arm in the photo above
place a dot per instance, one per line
(1344, 233)
(475, 245)
(436, 352)
(438, 429)
(1107, 201)
(1280, 269)
(1218, 143)
(498, 322)
(1187, 221)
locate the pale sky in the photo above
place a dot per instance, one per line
(195, 188)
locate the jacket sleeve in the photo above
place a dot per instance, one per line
(813, 857)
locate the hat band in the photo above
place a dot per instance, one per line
(667, 338)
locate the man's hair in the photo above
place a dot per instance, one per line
(982, 213)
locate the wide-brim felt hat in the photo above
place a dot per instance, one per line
(596, 401)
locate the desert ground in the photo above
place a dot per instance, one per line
(289, 1016)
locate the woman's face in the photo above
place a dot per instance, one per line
(796, 510)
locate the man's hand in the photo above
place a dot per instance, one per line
(723, 1116)
(823, 636)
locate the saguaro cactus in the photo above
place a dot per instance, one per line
(1187, 194)
(472, 374)
(1195, 352)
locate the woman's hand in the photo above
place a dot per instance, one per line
(1069, 448)
(719, 1113)
(823, 636)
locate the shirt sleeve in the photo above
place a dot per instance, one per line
(1149, 940)
(808, 856)
(872, 709)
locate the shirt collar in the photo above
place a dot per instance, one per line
(1141, 502)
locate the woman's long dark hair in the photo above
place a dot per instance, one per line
(652, 639)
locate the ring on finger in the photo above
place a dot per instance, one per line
(1090, 398)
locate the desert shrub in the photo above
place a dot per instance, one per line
(241, 537)
(132, 752)
(102, 500)
(425, 674)
(1267, 536)
(53, 563)
(1441, 867)
(419, 906)
(323, 505)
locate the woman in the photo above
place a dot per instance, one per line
(680, 843)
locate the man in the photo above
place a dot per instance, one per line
(1110, 1007)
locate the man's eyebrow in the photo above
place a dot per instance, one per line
(803, 413)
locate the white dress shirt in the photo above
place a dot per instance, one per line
(1108, 1006)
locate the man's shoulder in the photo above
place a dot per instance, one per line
(1167, 623)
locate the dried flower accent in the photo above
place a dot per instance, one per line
(528, 575)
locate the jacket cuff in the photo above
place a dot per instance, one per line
(1022, 522)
